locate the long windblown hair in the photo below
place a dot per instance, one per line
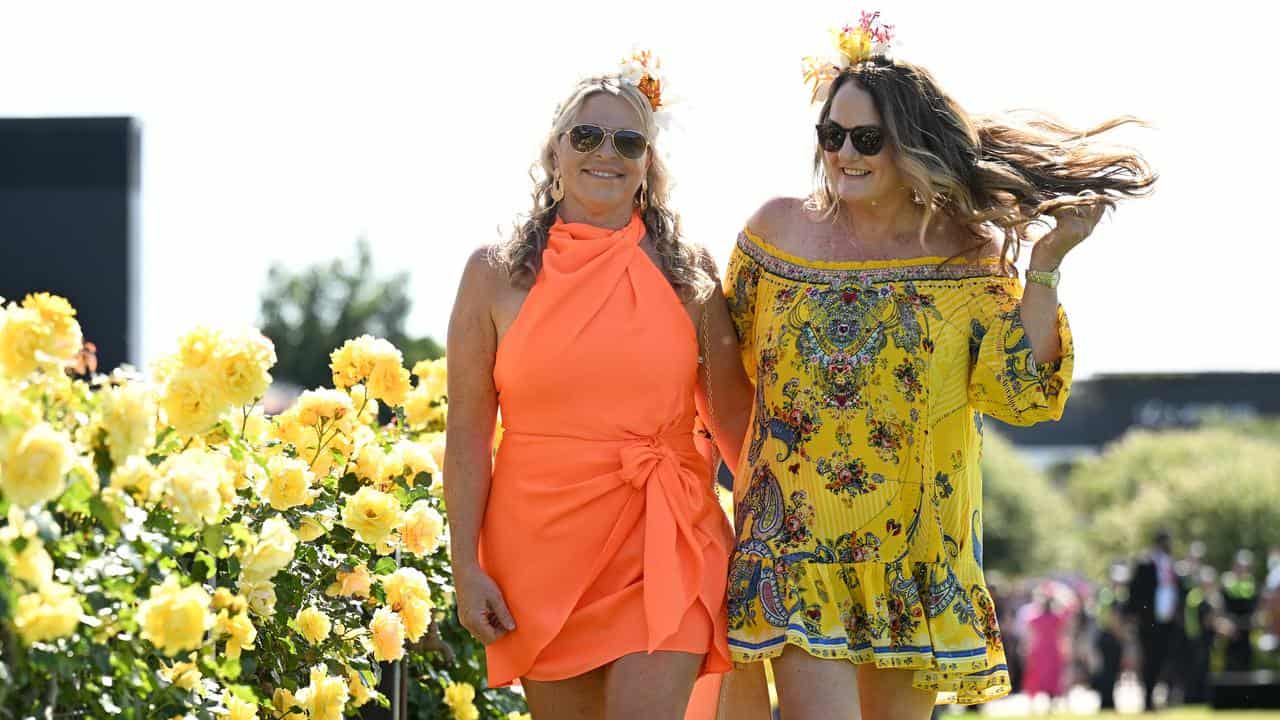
(520, 256)
(1004, 172)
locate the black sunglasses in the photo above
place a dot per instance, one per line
(628, 143)
(867, 139)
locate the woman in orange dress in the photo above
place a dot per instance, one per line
(591, 556)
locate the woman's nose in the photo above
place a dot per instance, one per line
(846, 150)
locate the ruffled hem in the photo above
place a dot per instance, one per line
(968, 683)
(902, 615)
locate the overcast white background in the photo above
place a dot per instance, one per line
(283, 131)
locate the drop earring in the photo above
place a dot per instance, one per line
(557, 185)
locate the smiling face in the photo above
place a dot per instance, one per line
(601, 182)
(858, 178)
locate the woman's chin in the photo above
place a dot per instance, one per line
(604, 203)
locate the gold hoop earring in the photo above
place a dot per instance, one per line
(557, 185)
(643, 200)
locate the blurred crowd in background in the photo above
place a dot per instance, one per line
(1169, 623)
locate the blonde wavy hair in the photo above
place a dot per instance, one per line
(1005, 172)
(521, 255)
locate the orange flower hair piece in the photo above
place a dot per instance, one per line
(853, 44)
(642, 69)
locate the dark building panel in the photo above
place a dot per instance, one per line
(67, 221)
(1102, 409)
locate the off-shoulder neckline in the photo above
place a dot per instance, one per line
(777, 252)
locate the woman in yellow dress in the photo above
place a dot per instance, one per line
(880, 319)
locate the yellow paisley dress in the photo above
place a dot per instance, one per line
(859, 514)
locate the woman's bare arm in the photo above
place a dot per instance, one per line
(468, 462)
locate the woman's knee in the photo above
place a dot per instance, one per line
(888, 694)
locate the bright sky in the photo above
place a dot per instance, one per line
(282, 131)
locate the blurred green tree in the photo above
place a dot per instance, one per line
(1220, 485)
(1027, 527)
(311, 311)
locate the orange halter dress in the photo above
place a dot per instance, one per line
(601, 528)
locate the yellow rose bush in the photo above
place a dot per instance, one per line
(168, 550)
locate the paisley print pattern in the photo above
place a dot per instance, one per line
(859, 524)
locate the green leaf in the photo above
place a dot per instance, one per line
(385, 566)
(75, 501)
(204, 568)
(103, 514)
(214, 537)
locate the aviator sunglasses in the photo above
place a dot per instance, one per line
(867, 139)
(628, 143)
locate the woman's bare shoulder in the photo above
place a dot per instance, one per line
(775, 218)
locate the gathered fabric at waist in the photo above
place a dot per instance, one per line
(660, 486)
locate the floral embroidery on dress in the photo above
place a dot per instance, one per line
(859, 529)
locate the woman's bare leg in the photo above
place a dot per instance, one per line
(650, 686)
(577, 698)
(812, 688)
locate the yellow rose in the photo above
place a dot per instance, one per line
(289, 429)
(392, 466)
(513, 715)
(238, 709)
(224, 599)
(191, 400)
(261, 597)
(435, 442)
(60, 319)
(374, 362)
(325, 698)
(372, 515)
(313, 625)
(288, 483)
(460, 697)
(21, 335)
(175, 618)
(371, 464)
(417, 408)
(417, 459)
(328, 407)
(433, 378)
(33, 565)
(366, 406)
(408, 594)
(238, 628)
(416, 616)
(312, 527)
(35, 469)
(51, 612)
(283, 702)
(197, 482)
(138, 475)
(357, 689)
(352, 363)
(387, 630)
(240, 365)
(43, 332)
(354, 583)
(271, 551)
(129, 417)
(184, 675)
(421, 529)
(389, 381)
(198, 347)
